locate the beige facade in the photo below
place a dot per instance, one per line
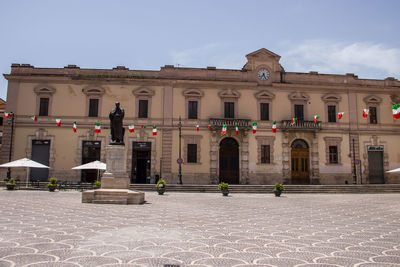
(304, 152)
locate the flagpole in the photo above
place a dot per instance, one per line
(11, 143)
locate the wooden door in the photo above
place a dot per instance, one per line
(229, 161)
(300, 166)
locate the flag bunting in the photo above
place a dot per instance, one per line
(274, 126)
(154, 130)
(131, 128)
(97, 128)
(254, 127)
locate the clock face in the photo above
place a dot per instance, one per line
(263, 74)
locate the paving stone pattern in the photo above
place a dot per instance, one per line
(200, 229)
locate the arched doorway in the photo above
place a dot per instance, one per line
(300, 162)
(229, 161)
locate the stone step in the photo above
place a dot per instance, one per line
(330, 189)
(110, 201)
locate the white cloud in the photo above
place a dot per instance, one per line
(364, 59)
(219, 55)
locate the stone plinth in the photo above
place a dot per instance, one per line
(115, 181)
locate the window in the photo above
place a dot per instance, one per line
(93, 107)
(264, 109)
(143, 108)
(1, 120)
(333, 154)
(229, 109)
(44, 106)
(373, 118)
(265, 149)
(299, 112)
(333, 150)
(191, 153)
(265, 154)
(331, 113)
(192, 109)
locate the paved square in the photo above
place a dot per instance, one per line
(200, 229)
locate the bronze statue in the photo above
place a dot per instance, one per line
(117, 130)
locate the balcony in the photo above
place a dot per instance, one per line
(230, 123)
(300, 125)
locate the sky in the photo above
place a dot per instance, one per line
(328, 36)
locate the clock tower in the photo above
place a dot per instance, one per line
(264, 66)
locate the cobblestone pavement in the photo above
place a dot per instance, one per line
(190, 229)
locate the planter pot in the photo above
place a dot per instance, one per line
(161, 190)
(10, 186)
(52, 188)
(225, 192)
(277, 193)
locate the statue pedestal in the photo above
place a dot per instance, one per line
(114, 182)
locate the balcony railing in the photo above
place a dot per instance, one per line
(231, 123)
(300, 125)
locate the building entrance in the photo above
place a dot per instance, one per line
(229, 161)
(300, 162)
(41, 154)
(90, 152)
(375, 163)
(141, 162)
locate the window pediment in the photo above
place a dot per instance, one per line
(44, 89)
(299, 96)
(372, 99)
(229, 93)
(331, 98)
(143, 92)
(264, 94)
(93, 90)
(193, 93)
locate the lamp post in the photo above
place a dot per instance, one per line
(11, 143)
(354, 165)
(180, 155)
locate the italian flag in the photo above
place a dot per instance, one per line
(365, 112)
(395, 109)
(33, 118)
(154, 130)
(74, 127)
(237, 129)
(197, 127)
(223, 129)
(340, 115)
(274, 126)
(294, 120)
(254, 127)
(143, 126)
(7, 115)
(97, 128)
(316, 117)
(58, 121)
(209, 126)
(131, 128)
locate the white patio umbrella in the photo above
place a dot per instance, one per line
(94, 165)
(27, 163)
(395, 170)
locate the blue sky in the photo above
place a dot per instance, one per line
(337, 37)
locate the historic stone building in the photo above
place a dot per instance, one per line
(328, 151)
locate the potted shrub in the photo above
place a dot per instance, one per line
(11, 184)
(161, 186)
(52, 185)
(278, 189)
(96, 184)
(224, 187)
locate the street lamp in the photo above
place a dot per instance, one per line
(10, 120)
(180, 155)
(354, 165)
